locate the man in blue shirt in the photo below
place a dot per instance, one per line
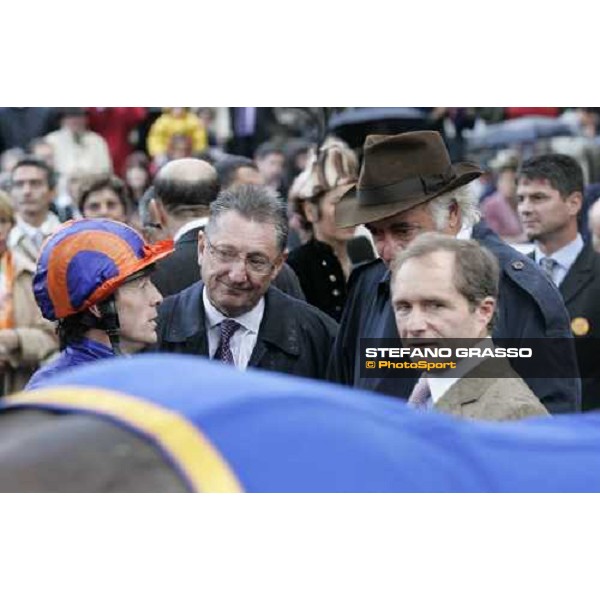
(550, 198)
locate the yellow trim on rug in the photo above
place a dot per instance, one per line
(202, 463)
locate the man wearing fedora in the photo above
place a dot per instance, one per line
(408, 186)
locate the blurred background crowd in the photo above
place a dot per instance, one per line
(132, 143)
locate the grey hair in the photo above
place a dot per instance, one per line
(465, 199)
(255, 203)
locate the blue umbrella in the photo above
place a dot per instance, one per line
(526, 130)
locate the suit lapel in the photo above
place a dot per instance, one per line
(275, 332)
(468, 390)
(579, 274)
(464, 391)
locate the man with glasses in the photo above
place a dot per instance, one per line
(408, 186)
(234, 315)
(179, 205)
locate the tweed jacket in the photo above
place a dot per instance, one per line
(504, 398)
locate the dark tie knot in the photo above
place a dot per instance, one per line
(228, 328)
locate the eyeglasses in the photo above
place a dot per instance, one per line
(255, 263)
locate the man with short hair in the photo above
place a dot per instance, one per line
(32, 190)
(408, 186)
(550, 197)
(446, 289)
(236, 170)
(183, 192)
(270, 160)
(234, 315)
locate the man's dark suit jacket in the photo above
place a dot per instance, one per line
(180, 269)
(294, 337)
(580, 290)
(529, 306)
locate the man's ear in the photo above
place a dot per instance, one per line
(279, 264)
(95, 311)
(575, 202)
(487, 307)
(454, 217)
(201, 245)
(311, 213)
(157, 213)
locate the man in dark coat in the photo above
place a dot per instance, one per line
(550, 195)
(183, 192)
(235, 316)
(408, 186)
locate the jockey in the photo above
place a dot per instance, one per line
(93, 278)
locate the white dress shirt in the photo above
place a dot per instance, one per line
(438, 386)
(201, 223)
(243, 340)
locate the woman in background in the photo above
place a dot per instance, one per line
(322, 264)
(105, 197)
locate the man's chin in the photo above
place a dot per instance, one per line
(422, 342)
(231, 308)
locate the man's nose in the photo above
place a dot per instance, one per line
(416, 323)
(524, 207)
(157, 297)
(237, 270)
(387, 249)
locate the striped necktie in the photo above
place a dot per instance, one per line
(419, 397)
(548, 265)
(228, 327)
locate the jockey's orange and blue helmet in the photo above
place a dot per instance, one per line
(85, 261)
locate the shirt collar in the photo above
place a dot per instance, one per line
(438, 386)
(466, 233)
(47, 227)
(91, 347)
(196, 223)
(250, 320)
(566, 256)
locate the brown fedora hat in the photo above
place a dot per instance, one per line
(400, 172)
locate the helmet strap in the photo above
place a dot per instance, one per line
(109, 322)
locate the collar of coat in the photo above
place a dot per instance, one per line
(278, 327)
